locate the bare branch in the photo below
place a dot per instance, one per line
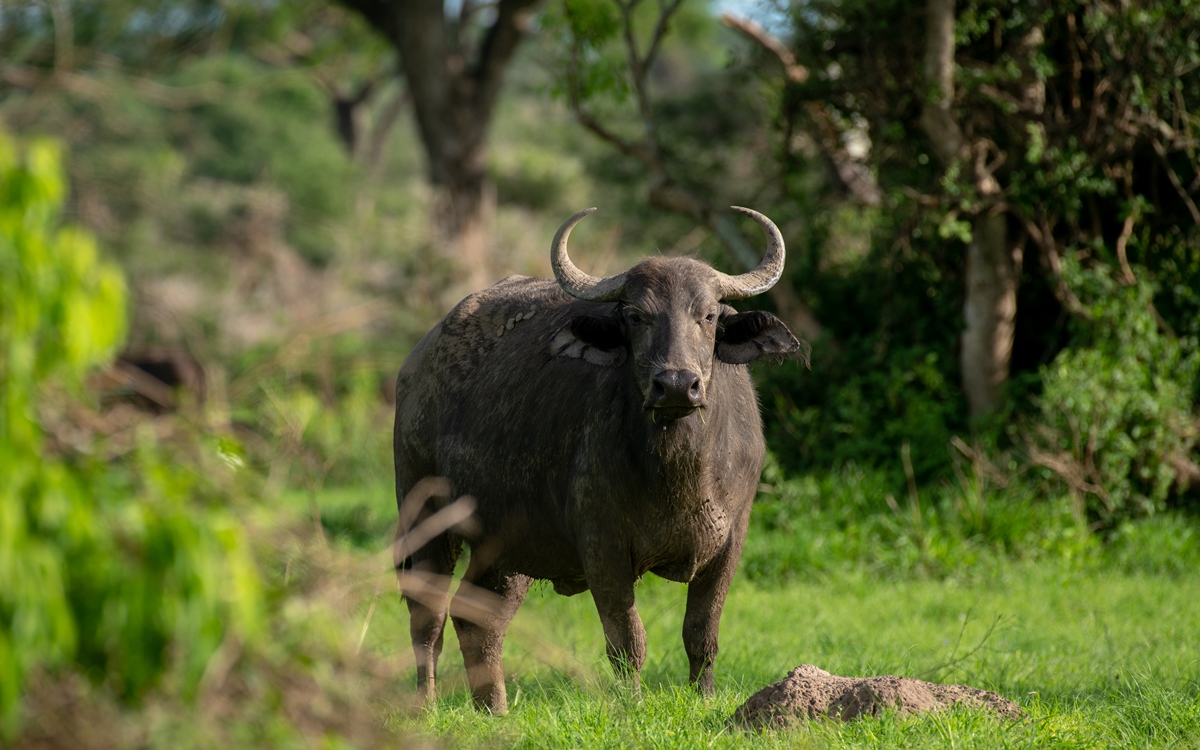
(373, 155)
(663, 191)
(1045, 240)
(1122, 241)
(1127, 228)
(501, 42)
(852, 174)
(666, 8)
(639, 65)
(1175, 181)
(1072, 471)
(795, 72)
(639, 151)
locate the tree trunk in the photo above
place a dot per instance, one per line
(454, 86)
(990, 309)
(993, 261)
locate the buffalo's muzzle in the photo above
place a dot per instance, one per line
(676, 392)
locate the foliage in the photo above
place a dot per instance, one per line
(1097, 179)
(886, 376)
(1116, 410)
(814, 526)
(121, 569)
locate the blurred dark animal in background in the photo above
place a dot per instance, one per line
(153, 379)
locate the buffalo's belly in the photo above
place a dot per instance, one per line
(521, 535)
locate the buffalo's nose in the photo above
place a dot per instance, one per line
(676, 389)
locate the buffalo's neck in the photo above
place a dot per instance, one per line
(682, 455)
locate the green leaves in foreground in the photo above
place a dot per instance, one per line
(120, 568)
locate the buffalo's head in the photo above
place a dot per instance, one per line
(672, 321)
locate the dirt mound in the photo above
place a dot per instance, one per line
(810, 692)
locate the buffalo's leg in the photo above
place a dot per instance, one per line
(624, 635)
(425, 586)
(482, 608)
(702, 618)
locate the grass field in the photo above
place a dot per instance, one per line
(1097, 654)
(1096, 660)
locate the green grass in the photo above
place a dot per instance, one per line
(1102, 651)
(1097, 659)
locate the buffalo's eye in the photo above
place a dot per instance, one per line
(635, 317)
(710, 318)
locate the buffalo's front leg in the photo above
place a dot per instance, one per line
(624, 635)
(482, 608)
(702, 619)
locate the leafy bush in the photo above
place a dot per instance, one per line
(279, 136)
(121, 567)
(1117, 408)
(891, 377)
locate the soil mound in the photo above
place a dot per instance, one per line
(809, 692)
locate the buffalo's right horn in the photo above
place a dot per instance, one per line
(769, 269)
(575, 282)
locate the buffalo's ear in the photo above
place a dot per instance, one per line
(749, 336)
(597, 339)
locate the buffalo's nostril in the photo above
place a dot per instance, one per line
(658, 391)
(676, 389)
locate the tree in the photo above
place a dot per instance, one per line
(993, 259)
(1056, 127)
(454, 65)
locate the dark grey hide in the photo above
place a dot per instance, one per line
(542, 408)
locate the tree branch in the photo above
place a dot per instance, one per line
(1045, 240)
(666, 8)
(1175, 181)
(373, 155)
(795, 72)
(663, 192)
(498, 47)
(851, 173)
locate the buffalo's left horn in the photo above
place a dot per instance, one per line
(768, 271)
(575, 282)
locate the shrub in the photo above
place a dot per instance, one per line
(1117, 408)
(121, 568)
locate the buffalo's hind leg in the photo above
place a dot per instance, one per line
(483, 606)
(425, 585)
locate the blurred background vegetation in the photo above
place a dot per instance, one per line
(223, 223)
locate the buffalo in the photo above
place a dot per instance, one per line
(605, 428)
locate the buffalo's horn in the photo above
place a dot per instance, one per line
(575, 282)
(769, 270)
